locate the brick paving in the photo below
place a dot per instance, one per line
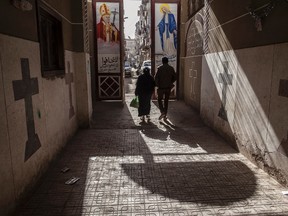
(177, 167)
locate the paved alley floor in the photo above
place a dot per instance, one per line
(174, 167)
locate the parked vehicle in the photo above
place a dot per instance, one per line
(146, 63)
(128, 69)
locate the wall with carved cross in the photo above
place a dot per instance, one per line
(38, 115)
(26, 136)
(193, 52)
(244, 77)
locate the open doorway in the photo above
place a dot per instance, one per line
(137, 22)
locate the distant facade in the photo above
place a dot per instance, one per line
(143, 32)
(130, 51)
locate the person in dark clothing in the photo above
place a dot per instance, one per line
(164, 79)
(144, 89)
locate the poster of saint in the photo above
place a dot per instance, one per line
(166, 33)
(108, 37)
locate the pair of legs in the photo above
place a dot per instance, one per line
(144, 106)
(163, 93)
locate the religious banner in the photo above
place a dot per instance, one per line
(108, 29)
(166, 35)
(108, 37)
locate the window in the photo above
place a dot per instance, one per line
(51, 45)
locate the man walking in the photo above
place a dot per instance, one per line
(164, 79)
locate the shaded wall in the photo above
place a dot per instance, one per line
(242, 87)
(43, 121)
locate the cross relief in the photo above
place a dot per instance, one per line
(225, 79)
(193, 75)
(24, 89)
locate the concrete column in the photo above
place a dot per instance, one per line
(83, 88)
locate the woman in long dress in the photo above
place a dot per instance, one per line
(144, 89)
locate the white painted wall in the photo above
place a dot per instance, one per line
(83, 88)
(6, 172)
(51, 115)
(257, 115)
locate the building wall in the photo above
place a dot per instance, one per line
(58, 108)
(53, 125)
(243, 83)
(6, 172)
(192, 61)
(18, 23)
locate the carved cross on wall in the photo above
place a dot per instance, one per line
(225, 79)
(69, 79)
(193, 76)
(24, 89)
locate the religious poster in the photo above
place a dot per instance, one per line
(166, 33)
(108, 37)
(166, 36)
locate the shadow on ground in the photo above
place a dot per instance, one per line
(213, 183)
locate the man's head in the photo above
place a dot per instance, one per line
(165, 60)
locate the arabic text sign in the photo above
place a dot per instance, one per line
(108, 63)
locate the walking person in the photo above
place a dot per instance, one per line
(164, 79)
(145, 86)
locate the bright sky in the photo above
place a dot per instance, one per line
(130, 10)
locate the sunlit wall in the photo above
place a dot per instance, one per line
(236, 74)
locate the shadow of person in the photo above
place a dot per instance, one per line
(218, 183)
(178, 135)
(154, 132)
(146, 125)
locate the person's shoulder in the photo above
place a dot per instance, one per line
(171, 67)
(160, 66)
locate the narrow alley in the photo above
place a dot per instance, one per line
(174, 167)
(71, 145)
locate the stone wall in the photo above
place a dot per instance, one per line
(38, 116)
(243, 79)
(52, 121)
(255, 114)
(192, 60)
